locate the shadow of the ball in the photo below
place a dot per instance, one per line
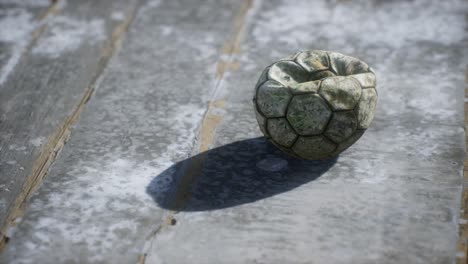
(238, 173)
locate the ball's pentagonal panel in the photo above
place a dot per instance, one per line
(272, 99)
(287, 73)
(305, 87)
(342, 93)
(316, 147)
(366, 80)
(321, 75)
(342, 125)
(312, 61)
(365, 108)
(281, 132)
(345, 65)
(261, 121)
(308, 114)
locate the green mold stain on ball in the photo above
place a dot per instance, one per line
(315, 104)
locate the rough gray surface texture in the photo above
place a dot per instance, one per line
(48, 67)
(93, 207)
(392, 197)
(13, 40)
(170, 134)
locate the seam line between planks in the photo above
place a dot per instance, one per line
(206, 132)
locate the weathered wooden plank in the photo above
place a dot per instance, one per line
(44, 94)
(93, 206)
(21, 22)
(18, 23)
(391, 198)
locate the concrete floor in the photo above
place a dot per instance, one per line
(166, 163)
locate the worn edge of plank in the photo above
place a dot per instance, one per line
(462, 244)
(58, 139)
(192, 168)
(212, 118)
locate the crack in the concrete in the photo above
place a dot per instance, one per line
(58, 139)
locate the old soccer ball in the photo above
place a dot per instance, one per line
(315, 104)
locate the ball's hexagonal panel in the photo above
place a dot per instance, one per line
(305, 87)
(308, 114)
(272, 99)
(263, 77)
(342, 93)
(281, 132)
(287, 73)
(342, 125)
(321, 75)
(261, 121)
(346, 65)
(316, 147)
(365, 108)
(366, 80)
(312, 61)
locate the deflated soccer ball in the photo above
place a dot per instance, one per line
(315, 104)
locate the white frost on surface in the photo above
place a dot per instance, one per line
(67, 34)
(16, 26)
(37, 142)
(27, 3)
(152, 4)
(16, 147)
(166, 30)
(393, 25)
(113, 184)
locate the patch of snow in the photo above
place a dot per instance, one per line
(37, 142)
